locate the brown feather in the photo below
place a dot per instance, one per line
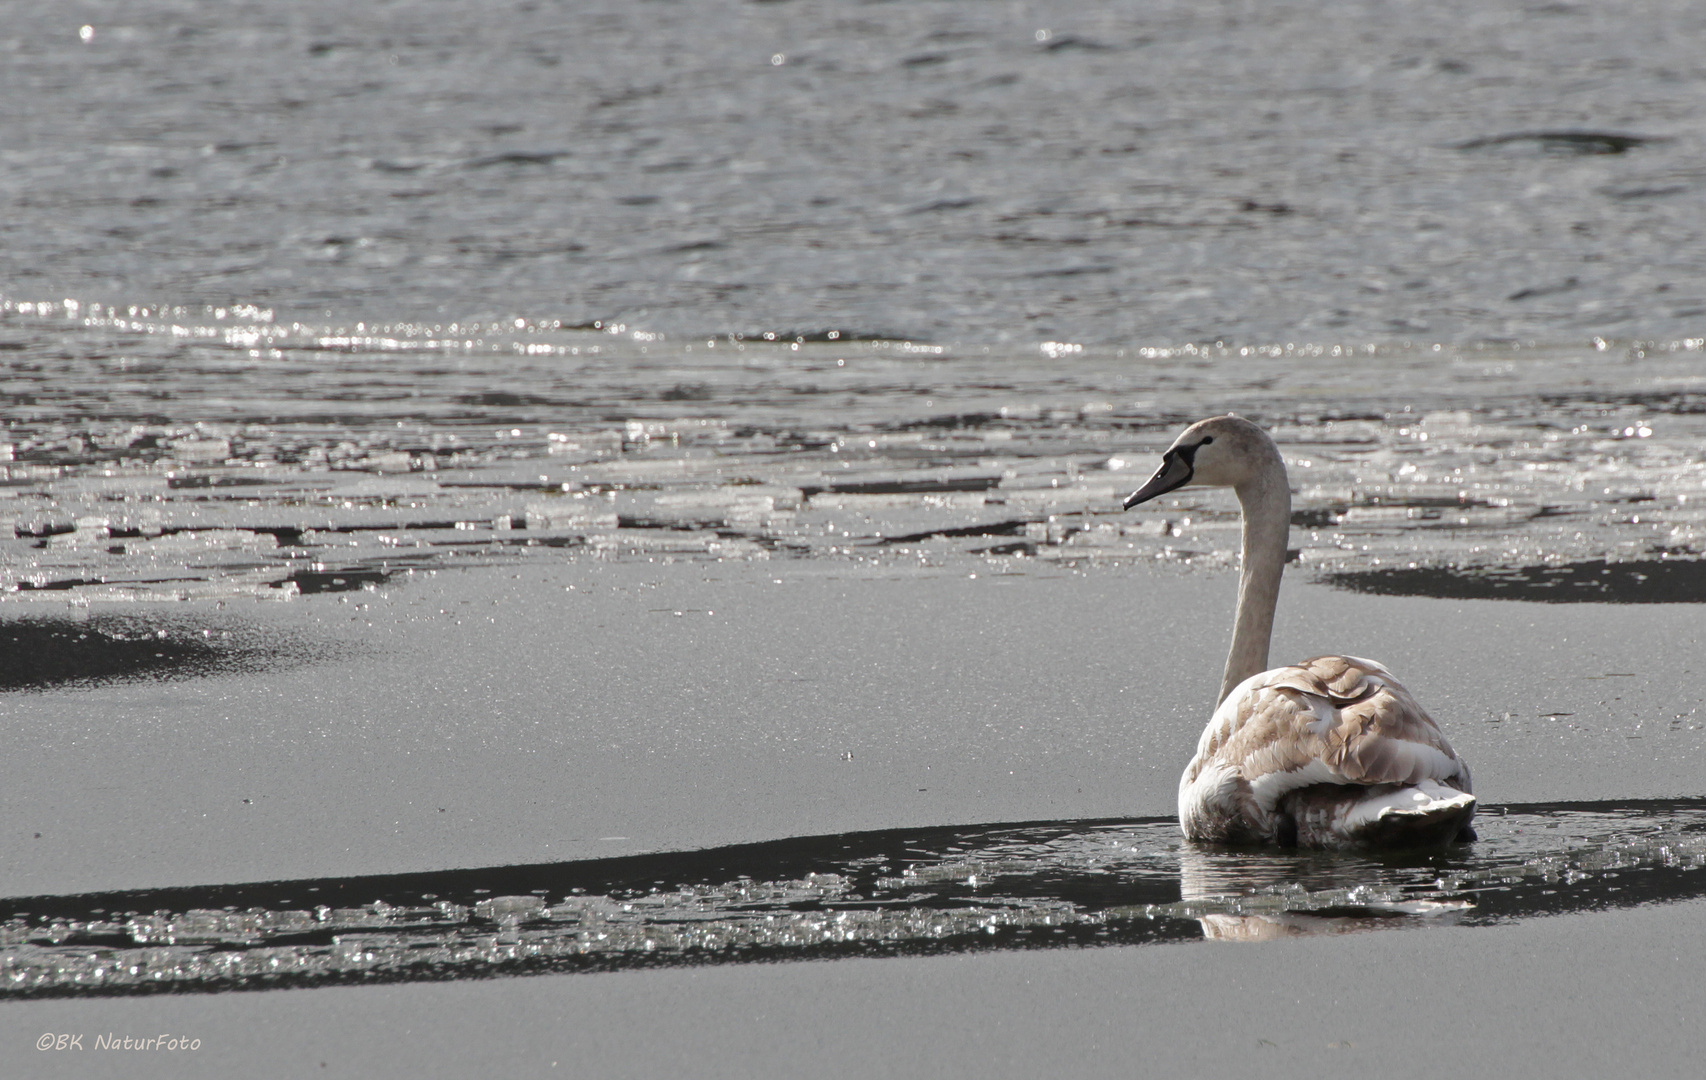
(1349, 715)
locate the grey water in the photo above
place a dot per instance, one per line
(307, 298)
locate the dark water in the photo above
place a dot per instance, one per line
(1667, 581)
(907, 892)
(1138, 174)
(42, 653)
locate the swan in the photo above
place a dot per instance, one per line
(1332, 752)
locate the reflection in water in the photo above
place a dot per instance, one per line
(902, 892)
(1279, 895)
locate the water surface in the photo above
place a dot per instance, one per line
(218, 453)
(906, 892)
(300, 301)
(1109, 173)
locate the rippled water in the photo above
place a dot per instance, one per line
(1039, 885)
(1112, 173)
(296, 297)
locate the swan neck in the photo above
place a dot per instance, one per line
(1266, 502)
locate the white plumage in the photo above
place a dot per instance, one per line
(1332, 752)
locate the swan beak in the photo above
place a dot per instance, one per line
(1174, 472)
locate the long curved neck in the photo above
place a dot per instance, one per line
(1266, 501)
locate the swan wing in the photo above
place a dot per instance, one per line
(1329, 720)
(1382, 736)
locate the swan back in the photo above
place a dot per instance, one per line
(1331, 720)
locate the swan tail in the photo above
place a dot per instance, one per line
(1424, 814)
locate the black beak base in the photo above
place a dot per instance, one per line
(1175, 472)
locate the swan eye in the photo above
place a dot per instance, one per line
(1206, 439)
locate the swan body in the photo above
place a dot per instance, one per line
(1331, 752)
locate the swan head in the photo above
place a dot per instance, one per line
(1222, 451)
